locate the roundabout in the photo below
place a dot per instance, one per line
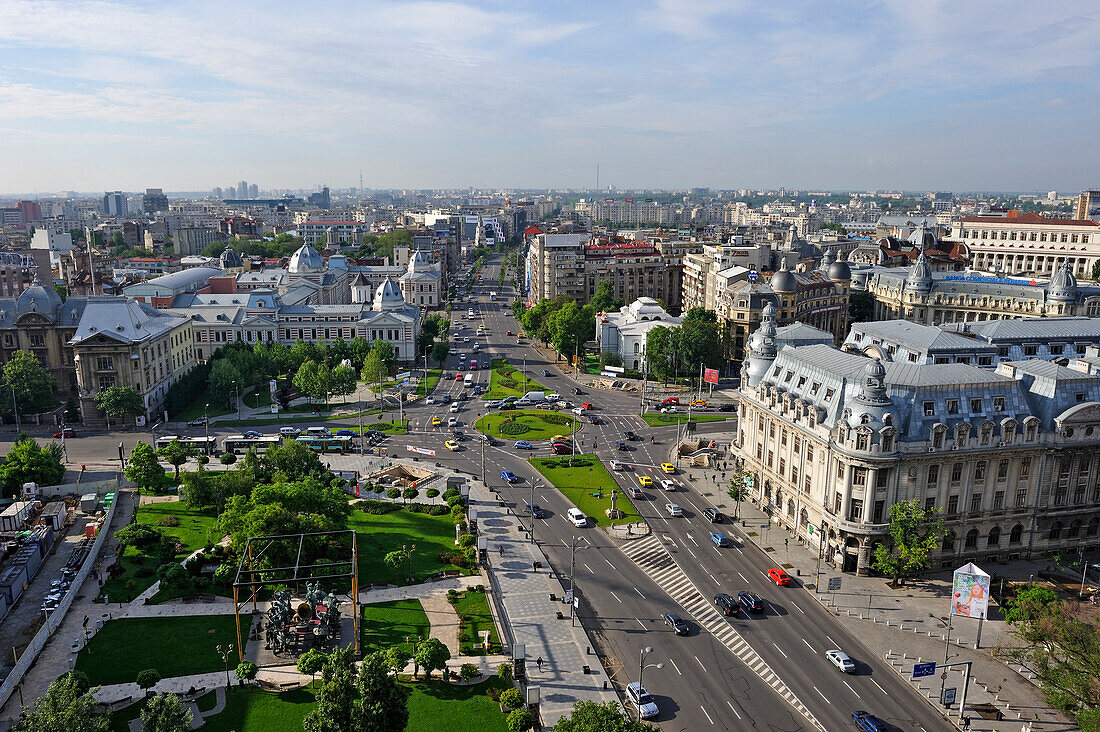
(526, 424)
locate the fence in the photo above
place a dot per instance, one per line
(99, 487)
(57, 617)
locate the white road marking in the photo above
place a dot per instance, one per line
(713, 577)
(799, 609)
(853, 690)
(641, 624)
(609, 564)
(700, 663)
(616, 597)
(743, 577)
(587, 567)
(835, 644)
(879, 687)
(808, 645)
(689, 551)
(639, 593)
(676, 667)
(730, 705)
(780, 650)
(822, 695)
(692, 539)
(774, 610)
(705, 712)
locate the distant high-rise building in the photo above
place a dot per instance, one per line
(154, 200)
(1088, 206)
(321, 199)
(253, 191)
(216, 193)
(114, 204)
(242, 189)
(31, 211)
(230, 192)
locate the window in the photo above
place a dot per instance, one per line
(859, 476)
(38, 340)
(1025, 467)
(771, 458)
(933, 474)
(952, 505)
(975, 503)
(994, 537)
(806, 487)
(855, 510)
(971, 539)
(839, 470)
(1002, 470)
(814, 387)
(1030, 350)
(948, 544)
(998, 500)
(759, 451)
(1021, 498)
(880, 508)
(929, 409)
(887, 443)
(837, 502)
(979, 470)
(1016, 534)
(1030, 434)
(956, 472)
(862, 441)
(930, 504)
(1055, 531)
(881, 477)
(106, 382)
(829, 394)
(783, 437)
(1074, 529)
(937, 438)
(952, 406)
(104, 363)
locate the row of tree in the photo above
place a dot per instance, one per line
(681, 350)
(564, 324)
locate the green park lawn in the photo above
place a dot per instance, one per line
(195, 530)
(540, 424)
(506, 380)
(248, 708)
(379, 535)
(657, 419)
(174, 646)
(426, 386)
(473, 610)
(388, 624)
(579, 483)
(440, 706)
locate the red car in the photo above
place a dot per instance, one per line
(670, 401)
(459, 377)
(560, 448)
(509, 333)
(779, 577)
(67, 432)
(586, 405)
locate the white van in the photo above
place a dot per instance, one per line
(468, 380)
(553, 397)
(318, 432)
(534, 397)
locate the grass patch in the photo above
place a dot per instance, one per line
(379, 535)
(427, 385)
(195, 530)
(657, 419)
(273, 419)
(588, 476)
(176, 646)
(540, 424)
(506, 380)
(437, 706)
(249, 708)
(257, 398)
(198, 408)
(206, 702)
(388, 624)
(475, 618)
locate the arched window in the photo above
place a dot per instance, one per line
(790, 507)
(804, 518)
(994, 537)
(1055, 531)
(948, 542)
(1093, 527)
(971, 539)
(1016, 534)
(637, 347)
(1074, 529)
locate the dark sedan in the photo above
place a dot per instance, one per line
(674, 621)
(751, 602)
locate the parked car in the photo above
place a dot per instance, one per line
(750, 602)
(727, 407)
(65, 432)
(577, 517)
(719, 539)
(726, 604)
(523, 445)
(289, 431)
(200, 422)
(535, 510)
(674, 621)
(508, 476)
(779, 577)
(674, 510)
(841, 660)
(642, 701)
(714, 515)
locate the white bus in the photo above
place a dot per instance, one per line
(239, 444)
(205, 445)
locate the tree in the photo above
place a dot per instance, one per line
(292, 459)
(604, 299)
(739, 490)
(31, 384)
(397, 657)
(568, 328)
(1096, 271)
(519, 720)
(143, 467)
(119, 402)
(373, 368)
(165, 713)
(396, 562)
(588, 716)
(386, 353)
(440, 351)
(336, 697)
(1030, 605)
(504, 671)
(658, 351)
(246, 671)
(27, 462)
(72, 409)
(314, 380)
(227, 458)
(176, 454)
(137, 535)
(343, 380)
(64, 708)
(148, 678)
(914, 534)
(223, 382)
(861, 306)
(382, 705)
(431, 654)
(311, 662)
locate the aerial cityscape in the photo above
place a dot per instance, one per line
(448, 366)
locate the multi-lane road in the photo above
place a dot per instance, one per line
(765, 671)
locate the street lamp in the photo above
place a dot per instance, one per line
(224, 653)
(409, 555)
(237, 391)
(642, 664)
(206, 421)
(572, 582)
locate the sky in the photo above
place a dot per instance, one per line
(901, 94)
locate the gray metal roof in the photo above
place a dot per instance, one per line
(182, 278)
(995, 331)
(916, 336)
(123, 320)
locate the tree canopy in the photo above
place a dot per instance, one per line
(64, 707)
(28, 462)
(119, 401)
(588, 716)
(914, 534)
(353, 699)
(143, 467)
(165, 713)
(32, 385)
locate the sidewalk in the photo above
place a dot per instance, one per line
(909, 624)
(531, 619)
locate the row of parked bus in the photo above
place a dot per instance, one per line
(240, 444)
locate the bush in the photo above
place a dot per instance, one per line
(468, 671)
(137, 535)
(379, 489)
(410, 493)
(169, 520)
(393, 493)
(452, 491)
(514, 428)
(201, 582)
(431, 510)
(511, 698)
(148, 678)
(467, 540)
(431, 492)
(504, 671)
(246, 671)
(456, 501)
(519, 720)
(173, 574)
(203, 459)
(228, 458)
(493, 693)
(225, 573)
(377, 508)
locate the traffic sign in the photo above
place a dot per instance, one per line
(753, 275)
(834, 584)
(923, 669)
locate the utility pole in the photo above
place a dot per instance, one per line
(572, 582)
(946, 648)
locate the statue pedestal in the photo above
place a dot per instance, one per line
(614, 513)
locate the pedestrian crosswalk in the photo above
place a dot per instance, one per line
(650, 555)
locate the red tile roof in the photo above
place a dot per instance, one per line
(1027, 218)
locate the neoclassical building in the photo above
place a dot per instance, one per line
(307, 278)
(38, 322)
(1009, 454)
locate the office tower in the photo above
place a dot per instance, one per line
(114, 204)
(154, 200)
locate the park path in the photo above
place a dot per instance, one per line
(443, 620)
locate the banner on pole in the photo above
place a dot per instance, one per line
(710, 376)
(970, 592)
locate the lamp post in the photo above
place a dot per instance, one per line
(642, 664)
(572, 581)
(206, 421)
(237, 392)
(16, 408)
(409, 556)
(224, 653)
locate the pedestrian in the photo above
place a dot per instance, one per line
(500, 548)
(534, 566)
(966, 722)
(538, 662)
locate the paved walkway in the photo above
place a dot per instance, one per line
(443, 620)
(907, 625)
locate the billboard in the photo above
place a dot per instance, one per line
(710, 376)
(970, 592)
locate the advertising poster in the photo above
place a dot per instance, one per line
(970, 592)
(710, 376)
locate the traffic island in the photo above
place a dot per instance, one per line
(526, 424)
(587, 484)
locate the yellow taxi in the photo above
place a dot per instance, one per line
(559, 438)
(668, 467)
(451, 445)
(436, 421)
(520, 335)
(698, 402)
(645, 481)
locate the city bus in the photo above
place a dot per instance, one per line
(335, 443)
(239, 444)
(198, 445)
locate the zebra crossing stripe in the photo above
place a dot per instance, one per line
(652, 558)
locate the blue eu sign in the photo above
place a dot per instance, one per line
(923, 669)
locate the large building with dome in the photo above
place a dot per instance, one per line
(307, 278)
(1008, 452)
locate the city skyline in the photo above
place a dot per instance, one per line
(663, 95)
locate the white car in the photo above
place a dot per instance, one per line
(668, 485)
(578, 411)
(430, 400)
(553, 397)
(465, 340)
(452, 422)
(454, 407)
(642, 701)
(673, 509)
(289, 431)
(841, 660)
(454, 351)
(577, 517)
(616, 465)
